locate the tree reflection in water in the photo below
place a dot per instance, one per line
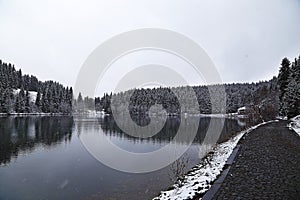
(24, 134)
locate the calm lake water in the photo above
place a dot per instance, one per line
(44, 158)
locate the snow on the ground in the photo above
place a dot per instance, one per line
(295, 124)
(200, 178)
(227, 115)
(282, 118)
(32, 95)
(16, 91)
(242, 108)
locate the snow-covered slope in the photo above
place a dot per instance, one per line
(295, 124)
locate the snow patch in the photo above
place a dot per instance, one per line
(242, 109)
(201, 177)
(32, 94)
(295, 124)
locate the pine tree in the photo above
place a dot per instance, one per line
(27, 102)
(21, 102)
(283, 80)
(38, 99)
(291, 98)
(80, 103)
(70, 99)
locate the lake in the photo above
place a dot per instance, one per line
(44, 157)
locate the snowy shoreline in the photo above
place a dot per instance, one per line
(32, 114)
(96, 114)
(201, 177)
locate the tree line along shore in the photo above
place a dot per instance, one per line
(21, 93)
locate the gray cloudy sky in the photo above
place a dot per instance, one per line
(245, 39)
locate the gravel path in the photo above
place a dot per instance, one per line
(267, 165)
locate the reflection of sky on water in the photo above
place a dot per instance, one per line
(42, 157)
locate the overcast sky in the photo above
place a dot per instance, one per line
(246, 39)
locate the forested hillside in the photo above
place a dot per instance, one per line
(265, 99)
(15, 90)
(261, 97)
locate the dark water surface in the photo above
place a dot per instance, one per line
(44, 158)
